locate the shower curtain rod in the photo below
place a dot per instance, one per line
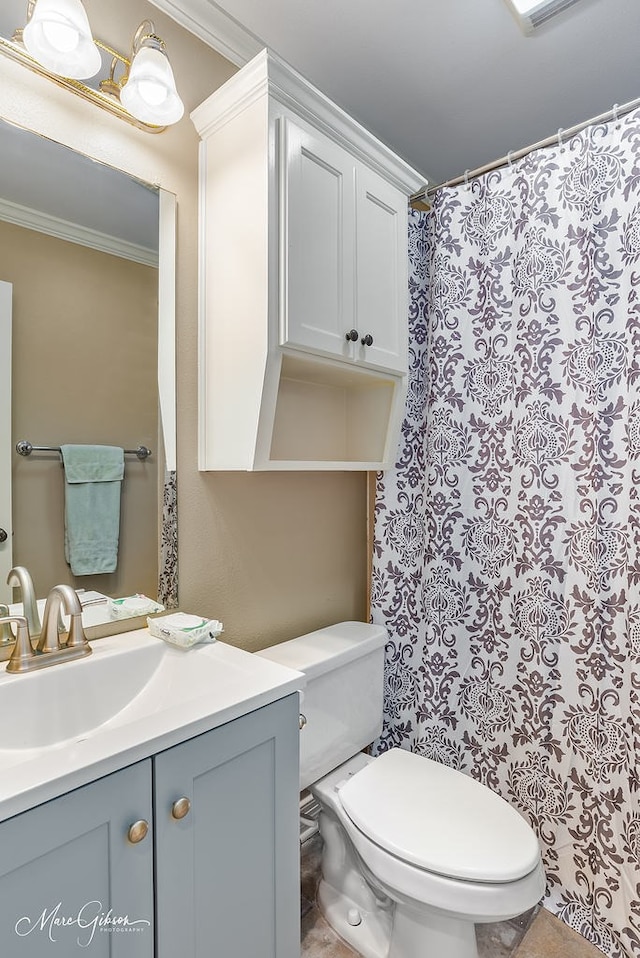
(562, 135)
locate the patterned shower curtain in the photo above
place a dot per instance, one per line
(507, 554)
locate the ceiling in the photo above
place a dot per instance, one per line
(450, 84)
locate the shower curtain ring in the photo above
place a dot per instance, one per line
(466, 179)
(616, 107)
(560, 132)
(509, 158)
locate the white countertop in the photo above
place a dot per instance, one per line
(187, 693)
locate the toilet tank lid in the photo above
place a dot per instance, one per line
(318, 652)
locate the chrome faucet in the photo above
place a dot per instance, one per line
(21, 577)
(50, 650)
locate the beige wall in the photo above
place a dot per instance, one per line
(85, 338)
(271, 555)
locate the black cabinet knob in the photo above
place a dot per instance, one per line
(3, 535)
(367, 340)
(352, 336)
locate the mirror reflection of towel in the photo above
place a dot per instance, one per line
(93, 478)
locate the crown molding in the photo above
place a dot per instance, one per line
(227, 36)
(217, 29)
(239, 92)
(73, 233)
(268, 75)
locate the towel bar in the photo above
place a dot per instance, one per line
(25, 448)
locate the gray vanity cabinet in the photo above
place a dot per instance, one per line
(227, 872)
(69, 876)
(191, 853)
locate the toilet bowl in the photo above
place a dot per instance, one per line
(444, 850)
(415, 853)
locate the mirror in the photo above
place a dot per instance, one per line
(79, 244)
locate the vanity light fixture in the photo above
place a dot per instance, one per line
(57, 43)
(58, 35)
(532, 14)
(149, 92)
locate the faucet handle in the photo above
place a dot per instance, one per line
(22, 650)
(76, 637)
(6, 635)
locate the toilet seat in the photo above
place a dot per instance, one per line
(477, 901)
(439, 820)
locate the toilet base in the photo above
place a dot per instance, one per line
(396, 931)
(355, 908)
(423, 933)
(359, 910)
(370, 937)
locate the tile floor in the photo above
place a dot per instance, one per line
(537, 934)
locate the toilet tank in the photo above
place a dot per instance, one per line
(342, 702)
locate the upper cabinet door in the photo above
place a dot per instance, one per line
(381, 283)
(343, 254)
(317, 242)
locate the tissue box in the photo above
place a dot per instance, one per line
(185, 630)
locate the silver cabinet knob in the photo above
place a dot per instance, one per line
(352, 336)
(181, 808)
(3, 535)
(138, 831)
(367, 340)
(302, 721)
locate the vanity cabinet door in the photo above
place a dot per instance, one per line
(71, 881)
(227, 871)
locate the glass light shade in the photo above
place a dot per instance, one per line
(58, 36)
(150, 92)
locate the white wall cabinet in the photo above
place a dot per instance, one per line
(303, 271)
(221, 843)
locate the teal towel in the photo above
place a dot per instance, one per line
(93, 477)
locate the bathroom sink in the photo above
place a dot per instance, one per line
(71, 698)
(134, 696)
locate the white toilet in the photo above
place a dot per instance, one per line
(415, 853)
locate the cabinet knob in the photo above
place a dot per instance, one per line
(367, 340)
(302, 721)
(138, 831)
(181, 808)
(352, 336)
(3, 535)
